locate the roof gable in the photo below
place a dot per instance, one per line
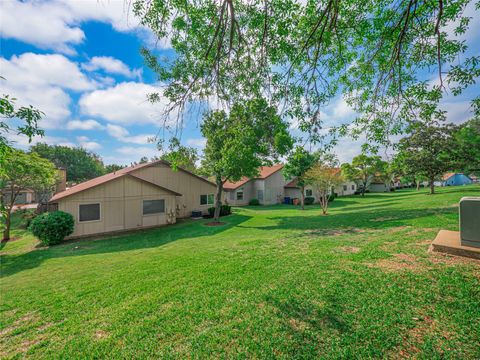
(264, 172)
(117, 174)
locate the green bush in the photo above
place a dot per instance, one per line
(52, 227)
(254, 202)
(331, 197)
(309, 200)
(224, 210)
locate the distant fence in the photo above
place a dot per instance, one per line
(46, 207)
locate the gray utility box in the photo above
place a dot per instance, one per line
(470, 221)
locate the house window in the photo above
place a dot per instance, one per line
(89, 212)
(260, 195)
(353, 187)
(240, 195)
(207, 199)
(308, 192)
(344, 187)
(153, 207)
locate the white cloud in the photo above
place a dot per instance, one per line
(125, 103)
(85, 143)
(123, 135)
(116, 131)
(111, 65)
(21, 141)
(41, 81)
(134, 153)
(37, 70)
(84, 125)
(56, 24)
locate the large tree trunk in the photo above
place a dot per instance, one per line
(218, 199)
(303, 197)
(364, 188)
(6, 231)
(418, 184)
(432, 186)
(8, 215)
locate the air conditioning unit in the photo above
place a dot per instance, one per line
(470, 221)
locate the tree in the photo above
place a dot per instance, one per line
(240, 142)
(362, 170)
(467, 147)
(79, 163)
(406, 175)
(428, 151)
(181, 156)
(29, 117)
(323, 177)
(23, 171)
(297, 165)
(113, 167)
(301, 53)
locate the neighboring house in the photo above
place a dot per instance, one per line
(24, 197)
(379, 186)
(28, 196)
(455, 179)
(292, 190)
(268, 187)
(142, 196)
(474, 178)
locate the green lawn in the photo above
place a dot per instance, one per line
(274, 282)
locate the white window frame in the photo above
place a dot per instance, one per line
(90, 221)
(158, 213)
(207, 195)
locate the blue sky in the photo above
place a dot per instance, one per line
(79, 62)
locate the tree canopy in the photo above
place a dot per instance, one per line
(362, 170)
(79, 163)
(324, 176)
(379, 54)
(298, 163)
(23, 171)
(428, 151)
(182, 156)
(242, 141)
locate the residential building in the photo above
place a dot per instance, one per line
(268, 187)
(292, 190)
(137, 197)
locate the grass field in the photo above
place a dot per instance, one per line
(274, 282)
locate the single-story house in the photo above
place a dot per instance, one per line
(25, 196)
(292, 190)
(268, 187)
(142, 196)
(455, 179)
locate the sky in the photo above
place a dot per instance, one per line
(79, 62)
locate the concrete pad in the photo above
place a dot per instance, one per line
(448, 242)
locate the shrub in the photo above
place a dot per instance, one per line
(331, 197)
(254, 202)
(52, 227)
(309, 200)
(224, 210)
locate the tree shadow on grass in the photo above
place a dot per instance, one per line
(305, 321)
(141, 239)
(364, 220)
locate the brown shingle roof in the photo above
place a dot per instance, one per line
(447, 175)
(115, 175)
(264, 172)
